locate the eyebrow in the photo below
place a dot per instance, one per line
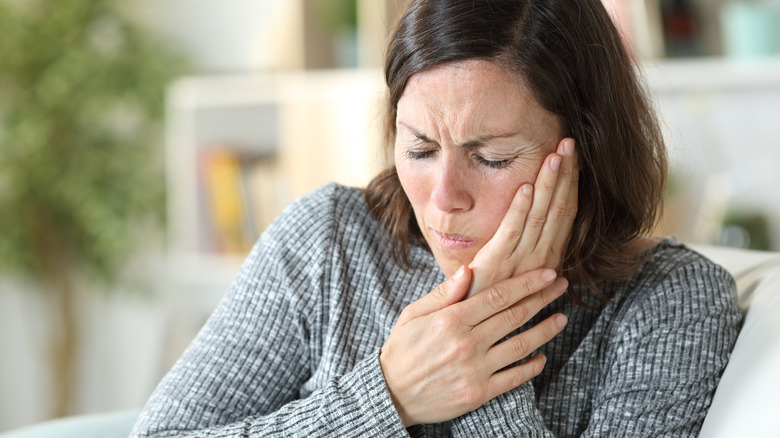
(476, 142)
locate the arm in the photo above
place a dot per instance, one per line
(243, 374)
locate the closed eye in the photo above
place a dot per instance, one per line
(498, 164)
(419, 155)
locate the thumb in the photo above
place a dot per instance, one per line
(450, 292)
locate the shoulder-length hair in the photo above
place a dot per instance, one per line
(571, 55)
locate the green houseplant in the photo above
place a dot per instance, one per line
(81, 98)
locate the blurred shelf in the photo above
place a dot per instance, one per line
(715, 73)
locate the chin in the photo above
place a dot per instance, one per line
(450, 265)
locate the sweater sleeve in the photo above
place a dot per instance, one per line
(513, 413)
(243, 374)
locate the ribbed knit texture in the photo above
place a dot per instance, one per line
(293, 349)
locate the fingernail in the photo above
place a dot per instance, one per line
(568, 147)
(459, 274)
(555, 163)
(527, 189)
(548, 275)
(561, 321)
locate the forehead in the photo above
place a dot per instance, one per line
(474, 94)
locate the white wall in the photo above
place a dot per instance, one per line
(221, 36)
(123, 341)
(720, 120)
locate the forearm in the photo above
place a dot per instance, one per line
(513, 413)
(355, 404)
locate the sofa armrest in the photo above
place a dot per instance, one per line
(106, 425)
(747, 401)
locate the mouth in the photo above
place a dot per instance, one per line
(453, 241)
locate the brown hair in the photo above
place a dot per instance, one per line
(572, 57)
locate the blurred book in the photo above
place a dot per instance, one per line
(225, 200)
(240, 195)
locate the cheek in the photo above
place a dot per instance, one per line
(497, 194)
(528, 170)
(413, 183)
(495, 202)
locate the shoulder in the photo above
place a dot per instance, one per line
(330, 224)
(322, 205)
(674, 268)
(319, 215)
(296, 252)
(677, 284)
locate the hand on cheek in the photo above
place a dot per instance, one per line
(536, 228)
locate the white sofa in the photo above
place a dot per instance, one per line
(746, 403)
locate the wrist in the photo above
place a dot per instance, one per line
(399, 409)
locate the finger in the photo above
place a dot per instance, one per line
(511, 229)
(450, 292)
(496, 327)
(521, 345)
(503, 243)
(561, 240)
(503, 295)
(543, 192)
(511, 378)
(563, 205)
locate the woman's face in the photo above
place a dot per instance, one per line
(469, 134)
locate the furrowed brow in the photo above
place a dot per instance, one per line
(479, 141)
(471, 144)
(416, 133)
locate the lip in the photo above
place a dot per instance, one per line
(453, 241)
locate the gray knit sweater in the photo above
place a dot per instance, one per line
(293, 349)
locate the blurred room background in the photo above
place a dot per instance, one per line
(145, 145)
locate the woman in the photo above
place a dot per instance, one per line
(527, 162)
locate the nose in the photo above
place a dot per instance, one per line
(451, 189)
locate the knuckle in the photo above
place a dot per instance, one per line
(537, 367)
(548, 296)
(536, 260)
(518, 379)
(520, 346)
(498, 296)
(536, 219)
(523, 286)
(440, 291)
(549, 330)
(526, 372)
(514, 234)
(444, 323)
(459, 350)
(571, 211)
(558, 211)
(463, 349)
(407, 314)
(516, 315)
(472, 396)
(575, 174)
